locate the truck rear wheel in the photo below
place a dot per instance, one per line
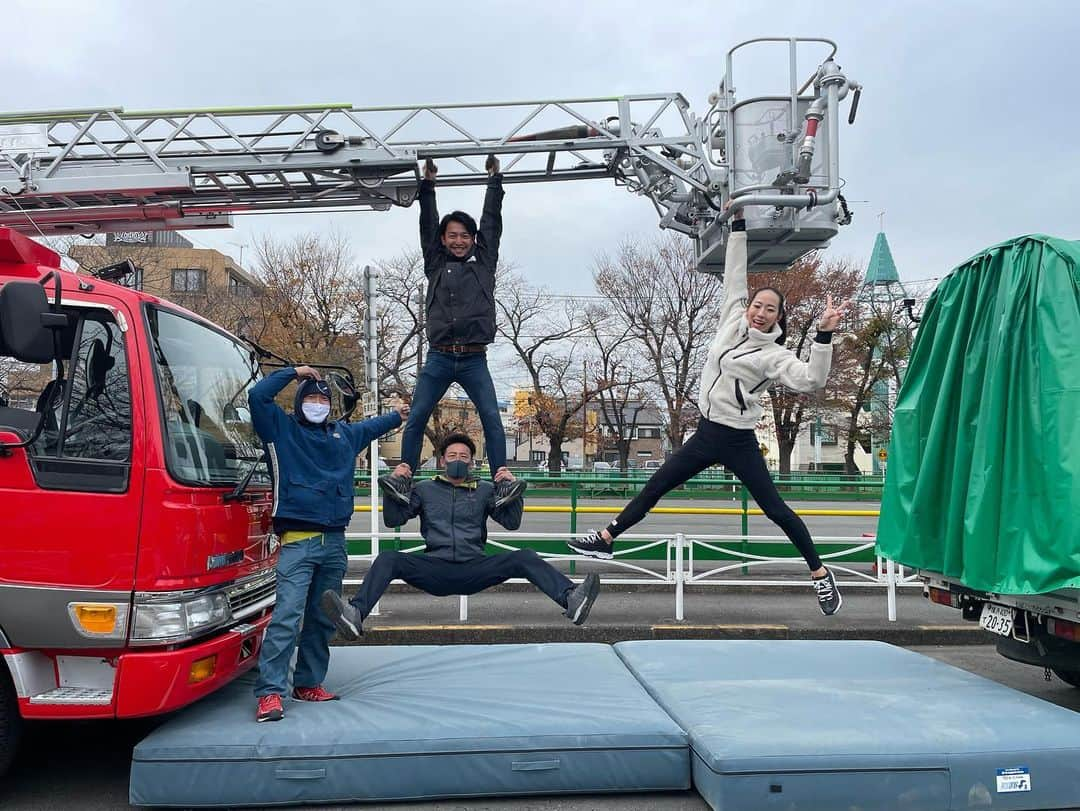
(10, 720)
(1068, 676)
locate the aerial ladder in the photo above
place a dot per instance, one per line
(107, 170)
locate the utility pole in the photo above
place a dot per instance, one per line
(371, 286)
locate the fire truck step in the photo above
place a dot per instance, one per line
(73, 695)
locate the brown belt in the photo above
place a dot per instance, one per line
(460, 349)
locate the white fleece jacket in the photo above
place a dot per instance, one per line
(743, 362)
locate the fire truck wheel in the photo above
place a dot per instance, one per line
(1069, 676)
(10, 720)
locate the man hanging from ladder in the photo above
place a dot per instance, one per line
(460, 262)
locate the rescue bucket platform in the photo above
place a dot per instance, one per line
(758, 724)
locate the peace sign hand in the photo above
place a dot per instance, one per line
(830, 319)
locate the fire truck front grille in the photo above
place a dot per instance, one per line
(250, 596)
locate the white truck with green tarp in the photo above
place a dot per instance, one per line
(983, 488)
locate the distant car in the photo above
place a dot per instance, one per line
(652, 464)
(602, 466)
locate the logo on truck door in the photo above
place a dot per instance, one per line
(224, 559)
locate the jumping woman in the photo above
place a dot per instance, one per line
(746, 357)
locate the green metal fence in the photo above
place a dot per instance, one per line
(574, 491)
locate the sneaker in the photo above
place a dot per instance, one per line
(592, 545)
(828, 595)
(316, 693)
(581, 598)
(509, 490)
(344, 615)
(270, 709)
(398, 488)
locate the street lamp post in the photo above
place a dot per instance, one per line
(239, 245)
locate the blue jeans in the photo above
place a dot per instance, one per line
(305, 570)
(440, 370)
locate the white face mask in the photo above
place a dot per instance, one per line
(315, 412)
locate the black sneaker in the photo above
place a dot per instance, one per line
(344, 615)
(592, 545)
(398, 488)
(507, 491)
(581, 598)
(828, 595)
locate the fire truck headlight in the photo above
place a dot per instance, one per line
(180, 619)
(208, 610)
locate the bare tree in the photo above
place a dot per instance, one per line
(402, 287)
(543, 336)
(20, 382)
(875, 353)
(805, 286)
(670, 309)
(314, 290)
(621, 374)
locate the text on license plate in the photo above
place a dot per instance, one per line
(997, 619)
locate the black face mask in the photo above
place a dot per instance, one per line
(457, 469)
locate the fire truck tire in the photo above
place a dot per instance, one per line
(1069, 676)
(10, 720)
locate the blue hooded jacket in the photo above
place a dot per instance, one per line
(312, 464)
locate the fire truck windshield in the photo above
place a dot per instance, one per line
(203, 377)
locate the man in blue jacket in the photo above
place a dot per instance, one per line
(312, 460)
(453, 509)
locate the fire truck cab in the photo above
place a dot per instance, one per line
(136, 576)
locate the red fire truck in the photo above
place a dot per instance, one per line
(137, 563)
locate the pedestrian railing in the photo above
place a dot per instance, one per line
(707, 485)
(744, 511)
(679, 569)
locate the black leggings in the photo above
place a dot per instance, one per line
(737, 449)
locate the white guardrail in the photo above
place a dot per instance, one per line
(679, 563)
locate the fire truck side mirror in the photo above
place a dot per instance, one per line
(349, 397)
(27, 323)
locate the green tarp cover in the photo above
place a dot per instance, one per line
(983, 481)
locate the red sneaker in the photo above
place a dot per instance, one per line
(270, 709)
(316, 693)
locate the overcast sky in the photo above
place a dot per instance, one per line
(967, 134)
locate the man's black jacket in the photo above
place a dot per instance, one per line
(460, 306)
(453, 518)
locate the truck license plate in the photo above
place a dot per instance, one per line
(997, 618)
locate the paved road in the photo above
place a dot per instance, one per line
(85, 765)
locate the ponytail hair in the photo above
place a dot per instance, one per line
(782, 318)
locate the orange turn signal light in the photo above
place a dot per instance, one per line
(202, 669)
(95, 618)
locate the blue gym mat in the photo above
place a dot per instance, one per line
(423, 723)
(811, 725)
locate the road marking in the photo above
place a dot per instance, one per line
(948, 628)
(462, 627)
(730, 627)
